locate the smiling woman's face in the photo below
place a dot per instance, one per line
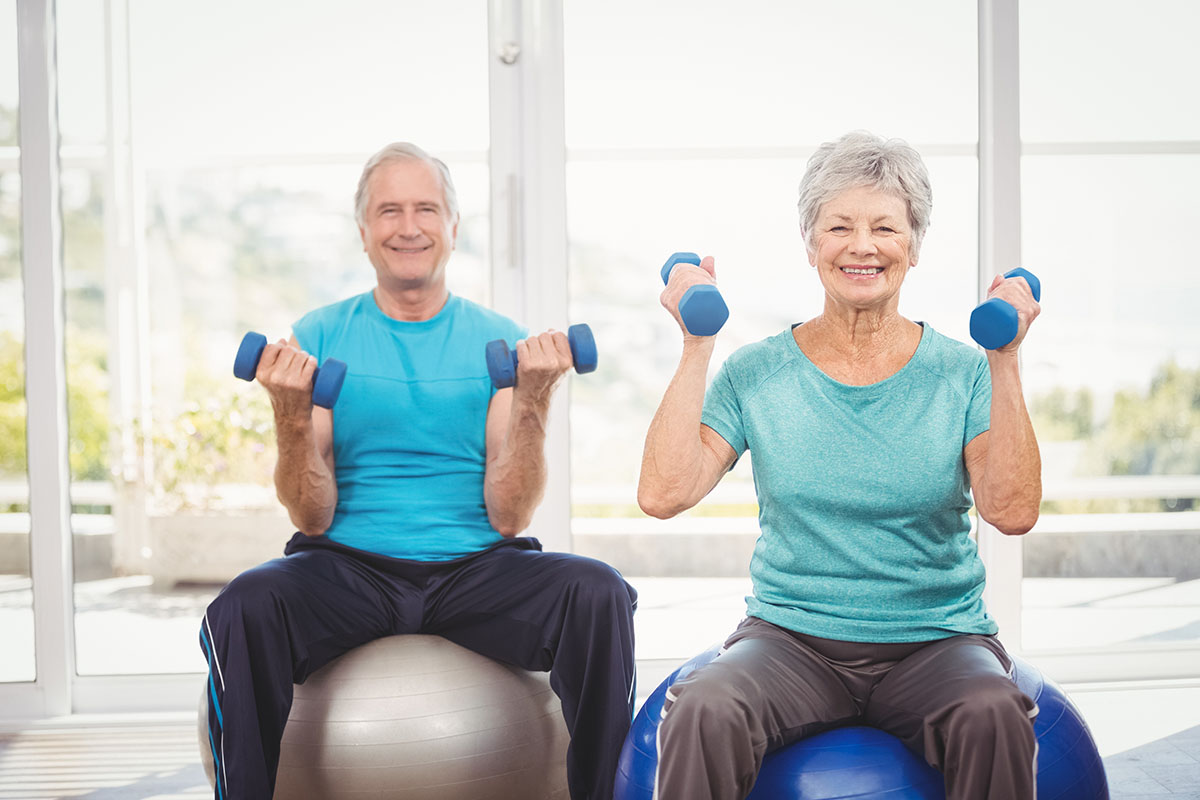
(863, 247)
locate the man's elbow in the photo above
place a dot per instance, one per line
(510, 519)
(509, 526)
(312, 527)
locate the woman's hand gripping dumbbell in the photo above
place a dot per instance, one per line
(502, 362)
(326, 380)
(995, 322)
(701, 308)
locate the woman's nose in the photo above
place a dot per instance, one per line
(862, 241)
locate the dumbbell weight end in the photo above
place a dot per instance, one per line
(994, 322)
(502, 361)
(327, 379)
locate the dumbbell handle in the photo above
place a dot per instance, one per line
(502, 361)
(994, 322)
(327, 379)
(701, 308)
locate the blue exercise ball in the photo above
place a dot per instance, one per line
(862, 762)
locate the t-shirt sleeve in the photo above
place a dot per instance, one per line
(723, 410)
(307, 331)
(979, 407)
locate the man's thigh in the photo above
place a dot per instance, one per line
(513, 602)
(323, 602)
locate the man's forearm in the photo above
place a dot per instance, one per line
(516, 481)
(303, 481)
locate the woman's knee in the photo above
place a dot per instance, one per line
(994, 704)
(711, 700)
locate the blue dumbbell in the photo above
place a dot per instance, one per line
(701, 308)
(327, 379)
(994, 322)
(502, 362)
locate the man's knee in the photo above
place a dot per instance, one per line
(600, 585)
(253, 594)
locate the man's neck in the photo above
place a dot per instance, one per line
(411, 305)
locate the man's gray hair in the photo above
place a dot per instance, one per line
(405, 151)
(859, 159)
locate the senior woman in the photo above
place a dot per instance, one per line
(870, 432)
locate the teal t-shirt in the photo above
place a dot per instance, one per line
(409, 444)
(862, 490)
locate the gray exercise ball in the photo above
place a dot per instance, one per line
(418, 718)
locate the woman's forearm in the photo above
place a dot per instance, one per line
(1012, 487)
(674, 475)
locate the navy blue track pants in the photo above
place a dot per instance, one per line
(276, 624)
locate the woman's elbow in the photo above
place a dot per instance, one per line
(656, 504)
(1013, 520)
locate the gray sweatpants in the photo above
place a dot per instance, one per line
(950, 701)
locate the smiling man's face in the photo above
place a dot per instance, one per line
(406, 231)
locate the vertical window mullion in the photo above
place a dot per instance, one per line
(45, 366)
(529, 223)
(999, 251)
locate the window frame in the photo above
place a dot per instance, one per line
(527, 164)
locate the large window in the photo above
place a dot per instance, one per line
(16, 596)
(696, 138)
(208, 158)
(207, 190)
(1113, 369)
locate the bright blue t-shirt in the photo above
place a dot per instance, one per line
(409, 443)
(862, 490)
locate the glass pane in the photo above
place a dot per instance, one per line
(699, 73)
(16, 587)
(743, 212)
(1115, 71)
(1113, 379)
(316, 79)
(228, 209)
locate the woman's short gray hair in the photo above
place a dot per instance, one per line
(405, 151)
(858, 159)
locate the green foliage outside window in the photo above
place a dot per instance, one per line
(226, 440)
(87, 411)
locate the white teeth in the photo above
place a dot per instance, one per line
(868, 271)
